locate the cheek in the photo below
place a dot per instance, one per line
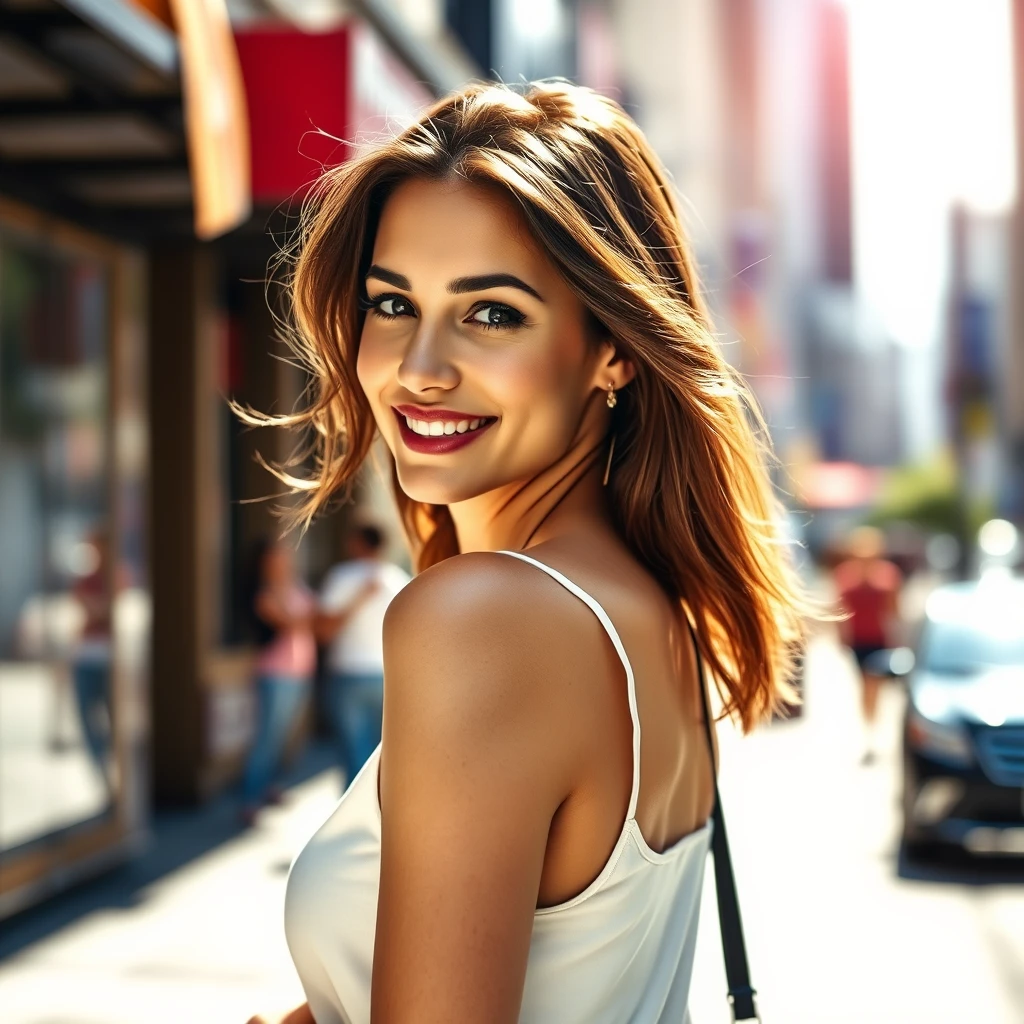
(550, 375)
(373, 365)
(542, 390)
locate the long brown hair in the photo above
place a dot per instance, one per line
(689, 487)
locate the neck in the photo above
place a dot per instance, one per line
(522, 514)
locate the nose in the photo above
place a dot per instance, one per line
(426, 365)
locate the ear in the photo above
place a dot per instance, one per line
(613, 367)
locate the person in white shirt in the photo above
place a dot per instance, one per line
(354, 597)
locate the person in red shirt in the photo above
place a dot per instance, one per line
(868, 586)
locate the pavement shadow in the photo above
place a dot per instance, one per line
(957, 867)
(176, 837)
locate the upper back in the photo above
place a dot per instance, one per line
(676, 790)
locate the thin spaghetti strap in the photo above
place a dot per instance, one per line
(620, 650)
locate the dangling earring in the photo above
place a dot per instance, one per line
(612, 400)
(608, 464)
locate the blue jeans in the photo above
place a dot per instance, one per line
(356, 708)
(280, 699)
(92, 696)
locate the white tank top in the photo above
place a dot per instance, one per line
(621, 951)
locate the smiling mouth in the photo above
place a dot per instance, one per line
(442, 432)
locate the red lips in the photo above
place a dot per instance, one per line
(438, 444)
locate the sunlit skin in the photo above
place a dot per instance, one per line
(506, 763)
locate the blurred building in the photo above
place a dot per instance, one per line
(979, 410)
(852, 370)
(135, 233)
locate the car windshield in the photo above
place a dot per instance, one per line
(961, 648)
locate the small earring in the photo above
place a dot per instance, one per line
(612, 399)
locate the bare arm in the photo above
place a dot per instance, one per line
(326, 624)
(471, 775)
(272, 609)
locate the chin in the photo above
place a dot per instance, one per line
(434, 485)
(437, 486)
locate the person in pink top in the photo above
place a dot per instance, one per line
(282, 610)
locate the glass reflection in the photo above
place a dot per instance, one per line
(57, 577)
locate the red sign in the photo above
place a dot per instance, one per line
(314, 98)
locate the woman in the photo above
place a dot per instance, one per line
(505, 295)
(282, 610)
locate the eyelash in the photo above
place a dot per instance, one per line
(516, 319)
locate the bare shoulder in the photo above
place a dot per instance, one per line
(479, 599)
(485, 579)
(481, 636)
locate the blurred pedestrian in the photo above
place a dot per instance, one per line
(91, 656)
(868, 585)
(281, 609)
(353, 599)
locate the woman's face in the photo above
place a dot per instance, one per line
(474, 355)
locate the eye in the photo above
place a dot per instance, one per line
(395, 305)
(496, 315)
(389, 306)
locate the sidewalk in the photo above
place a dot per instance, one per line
(191, 932)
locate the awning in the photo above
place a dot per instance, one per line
(96, 97)
(92, 124)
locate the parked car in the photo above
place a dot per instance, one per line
(963, 738)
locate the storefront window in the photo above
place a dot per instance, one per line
(57, 573)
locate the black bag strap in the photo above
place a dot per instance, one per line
(737, 972)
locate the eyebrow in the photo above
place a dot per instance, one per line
(460, 285)
(389, 277)
(484, 281)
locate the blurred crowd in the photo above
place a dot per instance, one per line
(345, 620)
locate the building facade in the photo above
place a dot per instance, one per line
(125, 324)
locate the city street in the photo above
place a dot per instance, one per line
(794, 232)
(838, 931)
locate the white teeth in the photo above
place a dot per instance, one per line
(440, 428)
